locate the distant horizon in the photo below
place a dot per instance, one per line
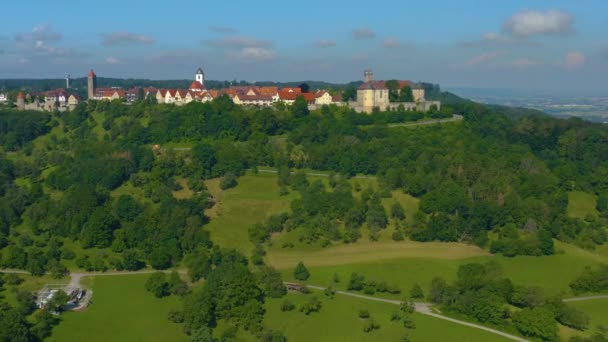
(545, 44)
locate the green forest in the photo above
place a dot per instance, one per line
(94, 189)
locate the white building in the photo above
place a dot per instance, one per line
(3, 97)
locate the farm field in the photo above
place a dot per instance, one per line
(338, 321)
(122, 310)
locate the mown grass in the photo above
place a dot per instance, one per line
(581, 204)
(338, 320)
(252, 201)
(122, 310)
(597, 309)
(553, 273)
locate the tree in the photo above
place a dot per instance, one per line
(349, 94)
(131, 260)
(176, 285)
(356, 282)
(301, 272)
(13, 326)
(202, 334)
(300, 107)
(602, 203)
(271, 282)
(58, 302)
(406, 94)
(157, 284)
(438, 289)
(304, 87)
(536, 322)
(397, 211)
(228, 181)
(416, 292)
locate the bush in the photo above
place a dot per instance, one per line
(370, 326)
(287, 305)
(398, 235)
(364, 314)
(416, 292)
(301, 272)
(176, 316)
(157, 284)
(228, 181)
(312, 305)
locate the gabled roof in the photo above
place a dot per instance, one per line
(254, 98)
(292, 90)
(199, 71)
(309, 97)
(320, 93)
(196, 85)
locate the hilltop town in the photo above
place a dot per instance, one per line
(370, 95)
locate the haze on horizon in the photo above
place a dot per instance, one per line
(540, 45)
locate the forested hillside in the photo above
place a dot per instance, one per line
(95, 188)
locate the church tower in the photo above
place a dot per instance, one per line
(91, 84)
(20, 101)
(368, 76)
(200, 76)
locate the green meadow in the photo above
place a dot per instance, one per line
(338, 320)
(121, 310)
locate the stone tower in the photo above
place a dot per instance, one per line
(368, 76)
(91, 84)
(200, 76)
(20, 101)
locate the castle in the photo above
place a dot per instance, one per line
(373, 94)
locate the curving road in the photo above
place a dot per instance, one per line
(424, 308)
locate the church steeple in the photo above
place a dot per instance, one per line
(200, 76)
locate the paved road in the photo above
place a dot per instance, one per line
(579, 299)
(424, 308)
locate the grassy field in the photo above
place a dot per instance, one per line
(597, 310)
(552, 273)
(338, 321)
(122, 310)
(581, 204)
(252, 201)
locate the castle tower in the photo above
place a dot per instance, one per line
(368, 76)
(200, 76)
(20, 101)
(91, 84)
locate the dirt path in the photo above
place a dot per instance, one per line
(424, 309)
(317, 174)
(454, 118)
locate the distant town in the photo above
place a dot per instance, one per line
(370, 95)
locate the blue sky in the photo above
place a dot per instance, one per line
(560, 45)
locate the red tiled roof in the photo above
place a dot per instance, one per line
(268, 91)
(289, 96)
(309, 97)
(20, 95)
(196, 85)
(292, 90)
(254, 98)
(92, 73)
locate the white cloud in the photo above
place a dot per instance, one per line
(325, 43)
(254, 54)
(112, 60)
(42, 33)
(221, 29)
(124, 38)
(363, 33)
(239, 42)
(391, 43)
(483, 58)
(574, 60)
(524, 63)
(528, 23)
